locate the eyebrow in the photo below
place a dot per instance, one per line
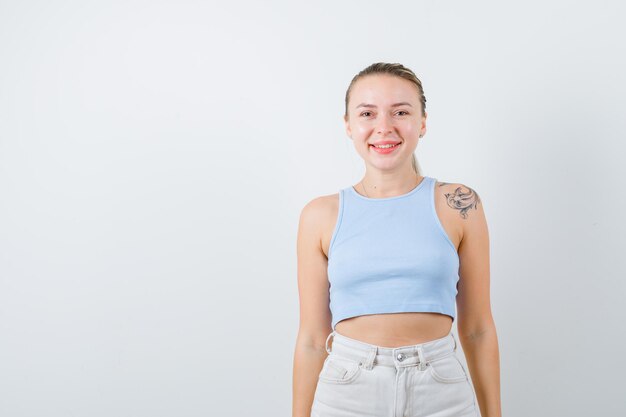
(402, 103)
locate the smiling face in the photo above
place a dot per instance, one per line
(385, 109)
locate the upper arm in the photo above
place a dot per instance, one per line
(313, 285)
(473, 298)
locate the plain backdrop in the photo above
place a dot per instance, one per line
(155, 156)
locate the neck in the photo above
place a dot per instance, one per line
(388, 185)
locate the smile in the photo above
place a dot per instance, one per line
(385, 149)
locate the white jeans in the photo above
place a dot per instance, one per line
(360, 379)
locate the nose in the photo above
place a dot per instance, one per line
(384, 125)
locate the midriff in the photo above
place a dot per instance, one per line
(396, 329)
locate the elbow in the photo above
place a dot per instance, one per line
(473, 330)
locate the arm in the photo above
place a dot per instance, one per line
(476, 327)
(315, 315)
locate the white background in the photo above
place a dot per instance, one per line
(155, 156)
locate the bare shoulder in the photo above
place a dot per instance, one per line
(320, 208)
(459, 197)
(463, 203)
(319, 216)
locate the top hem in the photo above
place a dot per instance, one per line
(387, 309)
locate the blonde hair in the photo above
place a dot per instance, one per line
(397, 70)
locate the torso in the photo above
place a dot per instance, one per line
(398, 329)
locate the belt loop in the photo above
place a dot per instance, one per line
(422, 358)
(369, 361)
(453, 338)
(331, 334)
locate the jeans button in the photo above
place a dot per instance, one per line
(401, 357)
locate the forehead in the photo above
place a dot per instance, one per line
(382, 89)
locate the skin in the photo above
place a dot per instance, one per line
(460, 212)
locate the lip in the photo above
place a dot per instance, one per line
(386, 142)
(388, 150)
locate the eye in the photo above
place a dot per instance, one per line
(402, 111)
(364, 113)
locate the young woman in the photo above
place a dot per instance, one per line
(381, 265)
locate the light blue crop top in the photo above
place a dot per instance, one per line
(391, 255)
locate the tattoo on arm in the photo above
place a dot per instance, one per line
(462, 200)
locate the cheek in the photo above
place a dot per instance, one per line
(362, 129)
(412, 128)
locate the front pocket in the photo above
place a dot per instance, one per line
(339, 370)
(448, 370)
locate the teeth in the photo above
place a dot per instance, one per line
(385, 146)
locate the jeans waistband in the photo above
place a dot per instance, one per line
(411, 355)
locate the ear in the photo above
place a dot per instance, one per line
(347, 125)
